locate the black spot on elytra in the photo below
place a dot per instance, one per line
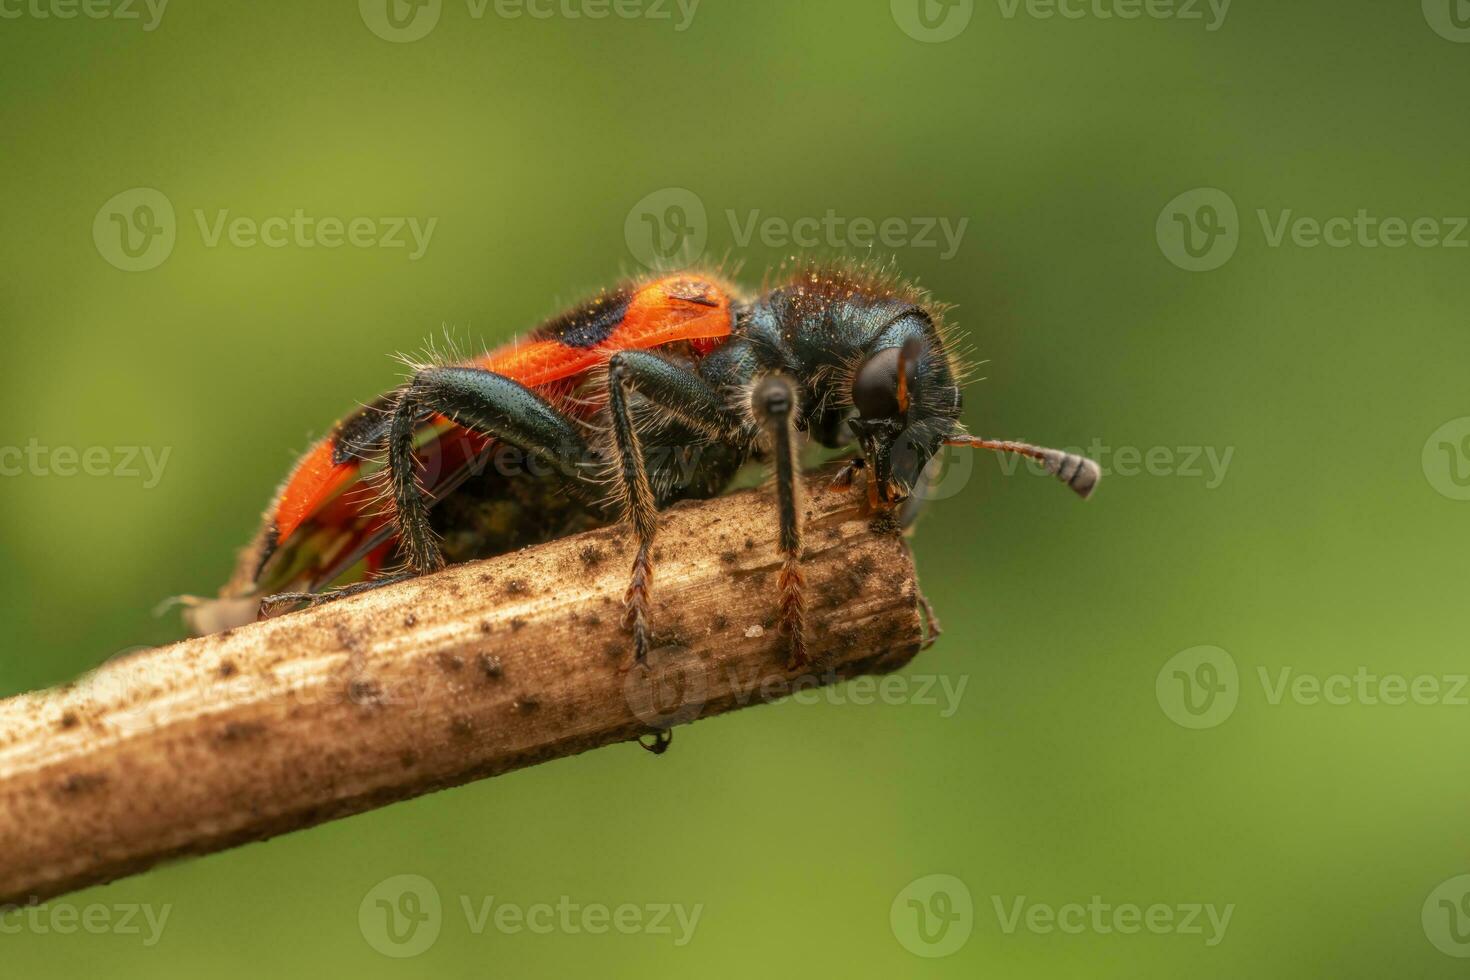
(68, 720)
(591, 555)
(516, 587)
(448, 661)
(227, 668)
(491, 667)
(589, 324)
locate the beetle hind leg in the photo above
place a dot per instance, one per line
(272, 605)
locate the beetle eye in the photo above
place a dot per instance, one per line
(878, 392)
(875, 389)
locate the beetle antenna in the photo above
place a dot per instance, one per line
(1077, 472)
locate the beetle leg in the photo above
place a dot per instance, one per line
(774, 405)
(271, 604)
(843, 480)
(932, 630)
(685, 397)
(483, 402)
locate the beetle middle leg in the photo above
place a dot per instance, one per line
(685, 397)
(691, 400)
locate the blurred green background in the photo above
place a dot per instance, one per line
(1332, 543)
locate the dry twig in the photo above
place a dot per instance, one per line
(471, 672)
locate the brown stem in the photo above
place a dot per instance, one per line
(479, 669)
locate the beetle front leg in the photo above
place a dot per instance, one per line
(774, 405)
